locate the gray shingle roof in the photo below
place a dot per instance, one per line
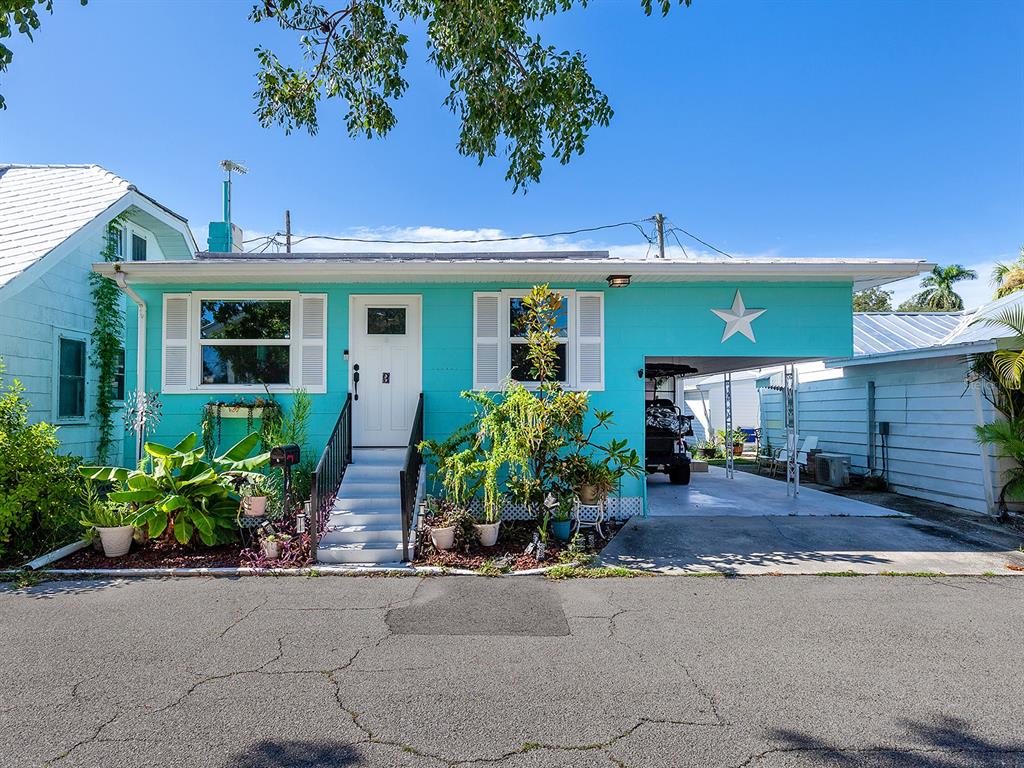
(43, 205)
(878, 333)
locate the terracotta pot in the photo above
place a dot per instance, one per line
(254, 506)
(487, 533)
(443, 538)
(589, 495)
(737, 449)
(271, 549)
(116, 541)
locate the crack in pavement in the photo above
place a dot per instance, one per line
(89, 740)
(242, 618)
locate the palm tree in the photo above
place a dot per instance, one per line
(1008, 278)
(937, 294)
(1008, 362)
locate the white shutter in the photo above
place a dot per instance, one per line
(313, 355)
(590, 340)
(176, 336)
(487, 341)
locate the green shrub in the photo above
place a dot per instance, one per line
(176, 494)
(39, 489)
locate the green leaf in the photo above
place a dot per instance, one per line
(104, 474)
(157, 450)
(183, 530)
(241, 449)
(188, 443)
(157, 526)
(144, 496)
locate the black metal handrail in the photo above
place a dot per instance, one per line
(328, 473)
(409, 477)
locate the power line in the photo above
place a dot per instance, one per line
(702, 242)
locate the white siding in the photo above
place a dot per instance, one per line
(58, 300)
(932, 453)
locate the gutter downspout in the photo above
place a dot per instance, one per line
(140, 332)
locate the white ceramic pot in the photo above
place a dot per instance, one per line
(443, 538)
(487, 533)
(271, 549)
(116, 541)
(254, 506)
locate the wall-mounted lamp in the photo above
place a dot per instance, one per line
(618, 281)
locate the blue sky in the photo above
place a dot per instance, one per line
(837, 129)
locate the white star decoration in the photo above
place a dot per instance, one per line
(739, 318)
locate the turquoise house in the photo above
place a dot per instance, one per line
(387, 327)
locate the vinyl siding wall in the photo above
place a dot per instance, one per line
(56, 302)
(932, 453)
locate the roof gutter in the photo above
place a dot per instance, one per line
(140, 338)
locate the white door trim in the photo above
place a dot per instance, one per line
(414, 384)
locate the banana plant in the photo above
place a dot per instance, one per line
(177, 493)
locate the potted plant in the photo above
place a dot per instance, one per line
(592, 480)
(707, 449)
(487, 531)
(255, 492)
(271, 545)
(112, 521)
(561, 516)
(443, 518)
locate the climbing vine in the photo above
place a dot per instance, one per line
(107, 340)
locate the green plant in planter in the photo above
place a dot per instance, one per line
(177, 495)
(98, 512)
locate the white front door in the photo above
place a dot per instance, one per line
(385, 350)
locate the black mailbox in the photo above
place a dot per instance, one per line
(284, 455)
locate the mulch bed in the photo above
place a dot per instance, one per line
(508, 554)
(157, 555)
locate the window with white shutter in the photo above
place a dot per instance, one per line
(487, 365)
(176, 337)
(313, 357)
(590, 340)
(498, 345)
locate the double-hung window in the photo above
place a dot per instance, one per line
(139, 244)
(501, 350)
(71, 368)
(244, 342)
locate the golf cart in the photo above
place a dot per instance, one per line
(666, 426)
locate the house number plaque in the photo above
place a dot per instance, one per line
(385, 377)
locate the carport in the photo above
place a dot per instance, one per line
(678, 367)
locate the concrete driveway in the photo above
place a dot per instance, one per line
(749, 526)
(512, 673)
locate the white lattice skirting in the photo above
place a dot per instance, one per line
(618, 509)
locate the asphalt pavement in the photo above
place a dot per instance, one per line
(519, 672)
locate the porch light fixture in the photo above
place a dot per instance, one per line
(618, 281)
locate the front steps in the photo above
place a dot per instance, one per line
(365, 527)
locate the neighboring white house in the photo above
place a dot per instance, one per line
(53, 224)
(904, 405)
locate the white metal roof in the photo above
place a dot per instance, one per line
(549, 266)
(881, 332)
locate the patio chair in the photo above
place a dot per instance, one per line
(782, 457)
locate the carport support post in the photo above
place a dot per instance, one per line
(729, 470)
(792, 430)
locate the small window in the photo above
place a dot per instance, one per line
(138, 247)
(245, 341)
(116, 235)
(388, 321)
(520, 362)
(118, 383)
(71, 385)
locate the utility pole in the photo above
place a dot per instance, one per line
(659, 219)
(287, 231)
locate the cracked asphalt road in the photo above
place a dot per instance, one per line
(769, 672)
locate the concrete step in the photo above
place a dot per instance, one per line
(369, 490)
(368, 503)
(387, 518)
(368, 532)
(384, 457)
(371, 473)
(363, 552)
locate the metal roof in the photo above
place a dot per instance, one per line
(879, 333)
(412, 256)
